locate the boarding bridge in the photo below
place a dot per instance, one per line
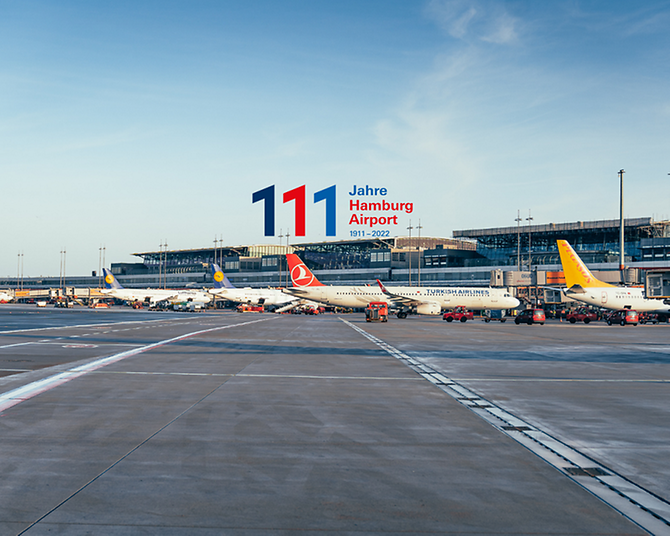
(657, 284)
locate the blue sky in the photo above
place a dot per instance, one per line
(124, 124)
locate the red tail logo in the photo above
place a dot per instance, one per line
(300, 274)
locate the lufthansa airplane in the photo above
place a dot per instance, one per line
(114, 289)
(423, 300)
(583, 286)
(255, 296)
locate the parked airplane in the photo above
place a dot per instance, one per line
(583, 286)
(5, 297)
(114, 289)
(423, 300)
(255, 296)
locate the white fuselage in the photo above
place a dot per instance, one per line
(157, 295)
(254, 296)
(619, 298)
(445, 297)
(5, 297)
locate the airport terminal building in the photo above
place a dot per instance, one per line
(518, 256)
(469, 257)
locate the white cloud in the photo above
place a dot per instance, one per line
(504, 30)
(474, 20)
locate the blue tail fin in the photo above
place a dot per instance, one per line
(220, 279)
(110, 280)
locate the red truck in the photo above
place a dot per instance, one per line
(459, 313)
(581, 315)
(377, 312)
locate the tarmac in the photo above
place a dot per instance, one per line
(135, 422)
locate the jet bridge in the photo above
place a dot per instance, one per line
(657, 284)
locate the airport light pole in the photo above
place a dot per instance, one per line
(621, 225)
(419, 250)
(165, 268)
(160, 264)
(518, 240)
(288, 246)
(281, 235)
(63, 254)
(530, 260)
(409, 272)
(530, 254)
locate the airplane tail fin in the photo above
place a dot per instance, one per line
(575, 271)
(301, 276)
(220, 279)
(110, 280)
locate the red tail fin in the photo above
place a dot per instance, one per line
(300, 274)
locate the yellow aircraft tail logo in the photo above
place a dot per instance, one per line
(218, 276)
(109, 279)
(576, 272)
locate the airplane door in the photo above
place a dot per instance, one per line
(603, 297)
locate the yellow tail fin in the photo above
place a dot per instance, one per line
(576, 272)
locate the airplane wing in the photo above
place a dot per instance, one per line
(397, 299)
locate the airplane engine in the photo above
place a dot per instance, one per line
(429, 309)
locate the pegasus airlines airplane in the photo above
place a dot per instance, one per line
(583, 286)
(114, 289)
(425, 300)
(255, 296)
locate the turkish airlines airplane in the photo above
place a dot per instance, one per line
(424, 300)
(583, 286)
(114, 289)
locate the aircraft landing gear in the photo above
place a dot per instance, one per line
(401, 314)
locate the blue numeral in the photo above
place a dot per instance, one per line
(267, 195)
(329, 195)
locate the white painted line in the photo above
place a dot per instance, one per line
(21, 394)
(278, 376)
(17, 344)
(641, 507)
(91, 325)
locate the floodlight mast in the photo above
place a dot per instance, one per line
(621, 226)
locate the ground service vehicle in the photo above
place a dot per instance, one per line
(623, 317)
(459, 313)
(495, 314)
(377, 312)
(581, 315)
(649, 318)
(531, 316)
(246, 308)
